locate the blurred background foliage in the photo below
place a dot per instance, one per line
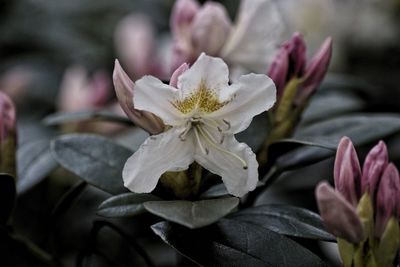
(40, 39)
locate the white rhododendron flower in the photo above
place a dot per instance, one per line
(202, 114)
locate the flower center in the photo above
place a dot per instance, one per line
(202, 100)
(203, 136)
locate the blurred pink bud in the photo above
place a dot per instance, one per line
(8, 136)
(182, 15)
(174, 78)
(210, 28)
(124, 89)
(347, 171)
(316, 70)
(135, 44)
(387, 199)
(278, 71)
(7, 117)
(374, 165)
(339, 216)
(78, 93)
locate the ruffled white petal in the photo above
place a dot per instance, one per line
(237, 179)
(212, 71)
(252, 94)
(255, 37)
(157, 155)
(152, 95)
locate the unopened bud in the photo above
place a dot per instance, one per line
(339, 216)
(7, 135)
(210, 29)
(374, 165)
(278, 71)
(174, 78)
(124, 89)
(387, 198)
(135, 44)
(316, 70)
(347, 171)
(296, 48)
(78, 93)
(182, 14)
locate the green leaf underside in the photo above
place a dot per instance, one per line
(192, 214)
(102, 115)
(286, 220)
(235, 243)
(97, 160)
(125, 205)
(35, 162)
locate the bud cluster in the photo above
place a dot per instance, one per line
(363, 210)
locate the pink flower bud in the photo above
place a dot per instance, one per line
(374, 165)
(78, 93)
(182, 15)
(8, 116)
(174, 78)
(135, 45)
(278, 71)
(316, 70)
(297, 54)
(289, 62)
(347, 171)
(7, 134)
(387, 199)
(338, 215)
(210, 29)
(124, 88)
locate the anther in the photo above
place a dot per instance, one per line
(227, 123)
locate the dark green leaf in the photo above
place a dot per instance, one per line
(193, 214)
(95, 159)
(362, 129)
(125, 205)
(254, 136)
(327, 105)
(235, 243)
(35, 162)
(286, 220)
(61, 118)
(7, 196)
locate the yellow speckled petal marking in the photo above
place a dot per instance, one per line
(202, 100)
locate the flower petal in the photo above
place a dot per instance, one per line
(251, 95)
(253, 40)
(236, 178)
(154, 96)
(212, 71)
(144, 168)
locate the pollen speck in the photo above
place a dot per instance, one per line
(203, 100)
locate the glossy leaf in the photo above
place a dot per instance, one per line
(286, 220)
(95, 159)
(125, 205)
(218, 190)
(35, 162)
(330, 104)
(62, 117)
(192, 214)
(235, 243)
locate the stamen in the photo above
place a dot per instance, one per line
(213, 124)
(227, 123)
(204, 151)
(183, 134)
(212, 143)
